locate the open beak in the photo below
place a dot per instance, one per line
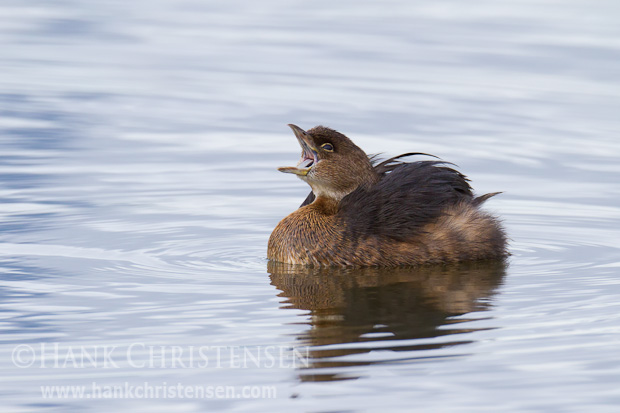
(308, 154)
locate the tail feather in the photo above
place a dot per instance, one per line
(479, 200)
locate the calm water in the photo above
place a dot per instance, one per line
(138, 147)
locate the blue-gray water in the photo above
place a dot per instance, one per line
(138, 147)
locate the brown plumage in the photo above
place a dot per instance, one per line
(384, 214)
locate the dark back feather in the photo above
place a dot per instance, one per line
(394, 162)
(309, 199)
(409, 196)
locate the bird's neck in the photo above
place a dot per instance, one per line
(325, 205)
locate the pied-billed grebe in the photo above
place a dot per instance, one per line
(391, 213)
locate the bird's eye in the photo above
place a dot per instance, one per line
(328, 147)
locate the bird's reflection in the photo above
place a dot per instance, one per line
(382, 309)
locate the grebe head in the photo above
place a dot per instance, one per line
(331, 163)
